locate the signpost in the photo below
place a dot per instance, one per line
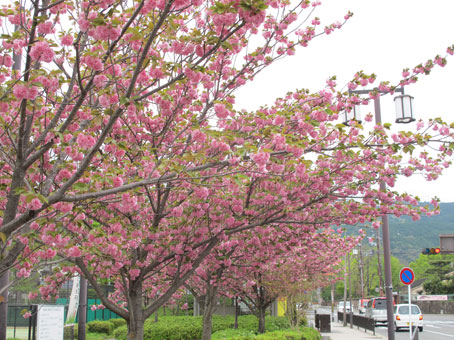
(407, 276)
(50, 322)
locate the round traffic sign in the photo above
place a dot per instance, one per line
(407, 276)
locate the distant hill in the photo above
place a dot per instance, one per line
(409, 237)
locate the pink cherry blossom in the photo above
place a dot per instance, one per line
(74, 252)
(41, 51)
(67, 40)
(221, 110)
(45, 27)
(35, 204)
(261, 158)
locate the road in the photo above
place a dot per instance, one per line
(436, 327)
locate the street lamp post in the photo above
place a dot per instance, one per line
(404, 114)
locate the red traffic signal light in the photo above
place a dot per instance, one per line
(431, 251)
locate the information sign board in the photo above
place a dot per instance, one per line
(50, 322)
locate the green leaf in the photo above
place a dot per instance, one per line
(99, 21)
(80, 186)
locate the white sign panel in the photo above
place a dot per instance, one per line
(73, 301)
(50, 322)
(432, 297)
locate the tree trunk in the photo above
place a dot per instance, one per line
(135, 330)
(82, 323)
(136, 318)
(261, 315)
(237, 311)
(208, 310)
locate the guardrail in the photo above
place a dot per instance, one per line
(359, 321)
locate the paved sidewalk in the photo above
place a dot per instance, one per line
(339, 332)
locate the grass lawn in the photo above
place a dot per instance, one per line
(21, 333)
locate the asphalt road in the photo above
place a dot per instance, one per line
(436, 327)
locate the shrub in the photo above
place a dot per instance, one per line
(121, 333)
(117, 323)
(310, 334)
(229, 334)
(190, 328)
(174, 328)
(303, 321)
(281, 335)
(70, 331)
(99, 327)
(286, 334)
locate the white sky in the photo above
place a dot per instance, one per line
(382, 37)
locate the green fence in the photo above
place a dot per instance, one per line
(98, 314)
(15, 318)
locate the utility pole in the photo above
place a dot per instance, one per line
(404, 114)
(379, 269)
(361, 270)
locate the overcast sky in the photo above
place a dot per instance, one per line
(382, 37)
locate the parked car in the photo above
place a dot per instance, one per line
(402, 317)
(340, 307)
(362, 305)
(376, 309)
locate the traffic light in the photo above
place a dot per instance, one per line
(431, 251)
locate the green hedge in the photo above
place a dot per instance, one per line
(232, 334)
(304, 334)
(286, 334)
(117, 323)
(104, 327)
(71, 331)
(190, 328)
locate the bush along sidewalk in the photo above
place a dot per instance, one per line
(190, 328)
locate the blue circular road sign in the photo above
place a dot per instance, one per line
(407, 276)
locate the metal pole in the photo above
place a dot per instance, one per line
(361, 271)
(344, 321)
(386, 245)
(332, 302)
(410, 326)
(379, 266)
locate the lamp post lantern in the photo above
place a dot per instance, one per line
(404, 114)
(404, 109)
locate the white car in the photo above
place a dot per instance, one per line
(402, 317)
(340, 306)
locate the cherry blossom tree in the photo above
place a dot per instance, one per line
(122, 151)
(309, 261)
(264, 265)
(73, 72)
